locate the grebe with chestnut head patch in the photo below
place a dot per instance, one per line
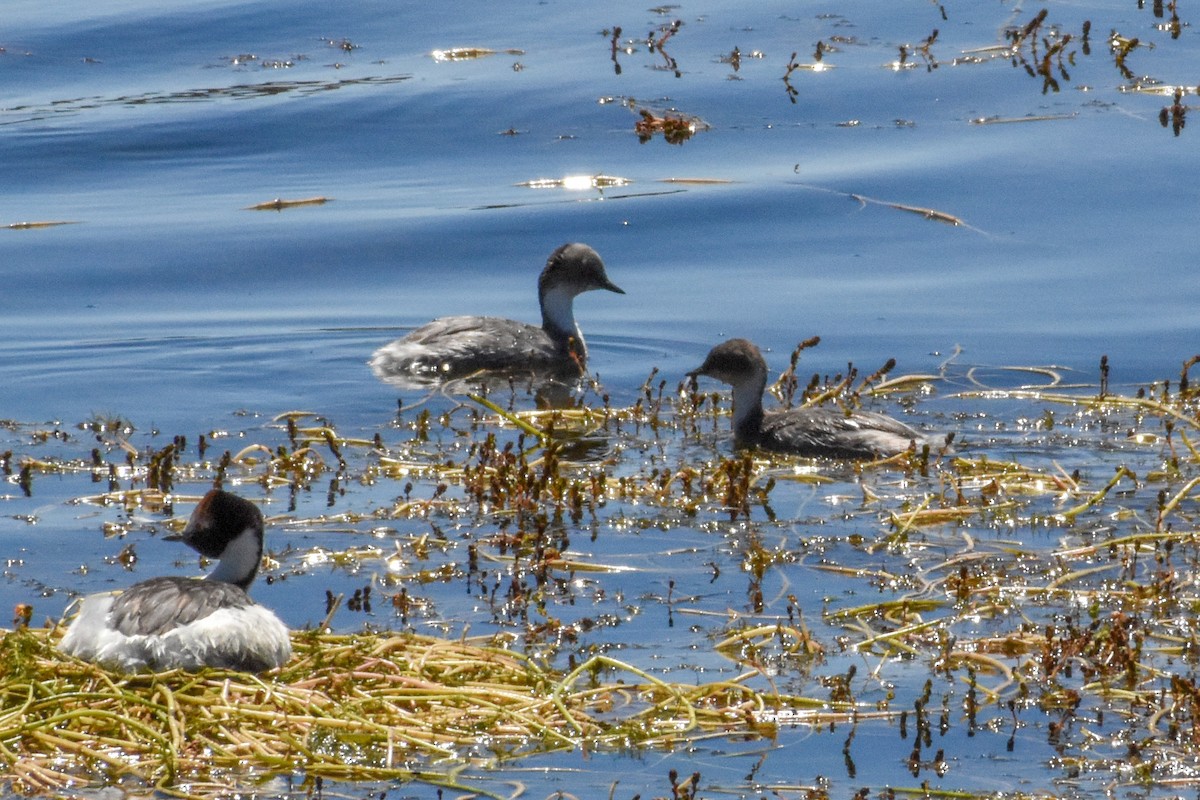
(174, 622)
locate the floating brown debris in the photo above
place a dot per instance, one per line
(927, 213)
(25, 226)
(577, 182)
(1031, 118)
(461, 53)
(696, 181)
(675, 128)
(793, 65)
(470, 53)
(656, 45)
(923, 50)
(1175, 114)
(278, 204)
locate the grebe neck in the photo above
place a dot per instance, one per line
(748, 410)
(240, 561)
(558, 317)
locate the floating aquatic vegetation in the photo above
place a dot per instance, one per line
(656, 42)
(1049, 63)
(696, 181)
(931, 214)
(461, 53)
(1175, 114)
(25, 226)
(819, 65)
(922, 50)
(398, 708)
(1030, 118)
(735, 56)
(577, 182)
(279, 204)
(470, 53)
(675, 128)
(927, 213)
(1042, 576)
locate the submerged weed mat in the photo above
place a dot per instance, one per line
(346, 707)
(1033, 592)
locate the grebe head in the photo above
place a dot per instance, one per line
(571, 270)
(737, 362)
(229, 528)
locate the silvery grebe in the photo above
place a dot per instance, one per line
(173, 622)
(454, 347)
(815, 431)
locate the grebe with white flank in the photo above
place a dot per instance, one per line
(174, 622)
(814, 431)
(454, 347)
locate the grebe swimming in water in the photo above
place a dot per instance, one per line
(454, 347)
(815, 431)
(173, 622)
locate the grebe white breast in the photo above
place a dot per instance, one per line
(814, 431)
(454, 347)
(174, 622)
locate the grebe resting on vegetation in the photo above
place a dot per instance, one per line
(815, 431)
(454, 347)
(173, 622)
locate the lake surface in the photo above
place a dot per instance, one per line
(817, 196)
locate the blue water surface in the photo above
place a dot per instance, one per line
(167, 302)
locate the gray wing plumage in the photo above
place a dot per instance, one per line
(829, 432)
(156, 606)
(453, 347)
